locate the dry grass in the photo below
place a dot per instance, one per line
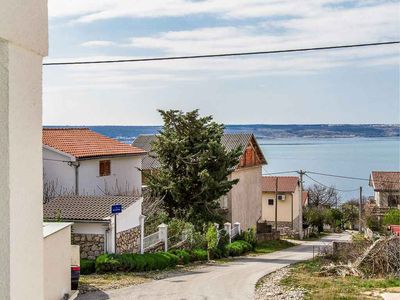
(95, 282)
(306, 275)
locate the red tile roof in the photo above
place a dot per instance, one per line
(385, 181)
(286, 184)
(85, 143)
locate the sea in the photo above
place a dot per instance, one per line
(349, 156)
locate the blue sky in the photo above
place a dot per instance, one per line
(341, 86)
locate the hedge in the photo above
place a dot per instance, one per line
(130, 262)
(183, 255)
(87, 266)
(238, 248)
(198, 255)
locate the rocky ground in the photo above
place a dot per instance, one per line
(268, 287)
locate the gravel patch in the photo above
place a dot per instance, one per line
(268, 287)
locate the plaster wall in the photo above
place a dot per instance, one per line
(57, 172)
(245, 197)
(57, 264)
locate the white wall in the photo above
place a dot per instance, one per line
(89, 228)
(57, 171)
(23, 43)
(125, 176)
(57, 264)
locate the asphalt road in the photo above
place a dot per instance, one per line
(235, 280)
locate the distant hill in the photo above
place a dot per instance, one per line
(128, 133)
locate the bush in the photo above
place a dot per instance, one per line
(392, 217)
(107, 263)
(198, 255)
(88, 266)
(183, 256)
(250, 237)
(130, 262)
(238, 248)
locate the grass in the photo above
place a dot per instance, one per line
(272, 246)
(305, 275)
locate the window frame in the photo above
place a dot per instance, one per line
(271, 202)
(104, 168)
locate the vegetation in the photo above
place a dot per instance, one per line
(321, 196)
(194, 167)
(272, 246)
(307, 275)
(392, 217)
(238, 248)
(212, 239)
(87, 266)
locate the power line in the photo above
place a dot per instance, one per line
(350, 177)
(220, 54)
(330, 187)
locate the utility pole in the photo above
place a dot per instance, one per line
(276, 203)
(301, 173)
(360, 211)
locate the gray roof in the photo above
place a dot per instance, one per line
(231, 141)
(89, 208)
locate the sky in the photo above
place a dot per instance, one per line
(337, 86)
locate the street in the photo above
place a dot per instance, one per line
(234, 280)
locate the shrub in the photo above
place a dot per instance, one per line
(183, 256)
(211, 238)
(87, 266)
(107, 263)
(392, 217)
(198, 255)
(250, 237)
(222, 243)
(238, 248)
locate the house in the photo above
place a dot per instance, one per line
(94, 225)
(386, 187)
(243, 202)
(287, 204)
(82, 162)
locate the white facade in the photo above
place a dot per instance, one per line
(125, 178)
(23, 44)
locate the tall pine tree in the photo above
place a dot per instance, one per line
(194, 167)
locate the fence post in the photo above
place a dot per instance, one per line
(228, 229)
(141, 219)
(163, 235)
(237, 224)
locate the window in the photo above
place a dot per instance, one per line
(105, 168)
(270, 201)
(223, 201)
(393, 200)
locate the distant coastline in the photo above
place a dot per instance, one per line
(264, 131)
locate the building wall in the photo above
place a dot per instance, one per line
(125, 177)
(57, 172)
(284, 208)
(382, 198)
(57, 265)
(245, 197)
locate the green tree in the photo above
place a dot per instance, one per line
(314, 216)
(194, 167)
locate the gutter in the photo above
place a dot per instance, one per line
(76, 165)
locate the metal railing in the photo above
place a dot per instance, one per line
(151, 240)
(234, 231)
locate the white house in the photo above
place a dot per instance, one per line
(93, 226)
(82, 162)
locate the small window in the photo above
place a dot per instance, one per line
(270, 201)
(105, 168)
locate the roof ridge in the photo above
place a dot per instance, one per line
(66, 128)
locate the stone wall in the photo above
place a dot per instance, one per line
(91, 245)
(128, 240)
(274, 235)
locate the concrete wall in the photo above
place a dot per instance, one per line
(57, 265)
(245, 197)
(57, 172)
(284, 207)
(125, 177)
(23, 43)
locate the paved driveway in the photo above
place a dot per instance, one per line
(231, 281)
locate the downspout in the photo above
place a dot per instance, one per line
(76, 165)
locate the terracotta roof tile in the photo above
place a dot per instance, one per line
(285, 183)
(385, 181)
(94, 208)
(304, 197)
(85, 143)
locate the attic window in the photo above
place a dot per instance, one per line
(105, 168)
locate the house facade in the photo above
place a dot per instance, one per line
(386, 187)
(280, 197)
(243, 202)
(78, 161)
(93, 226)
